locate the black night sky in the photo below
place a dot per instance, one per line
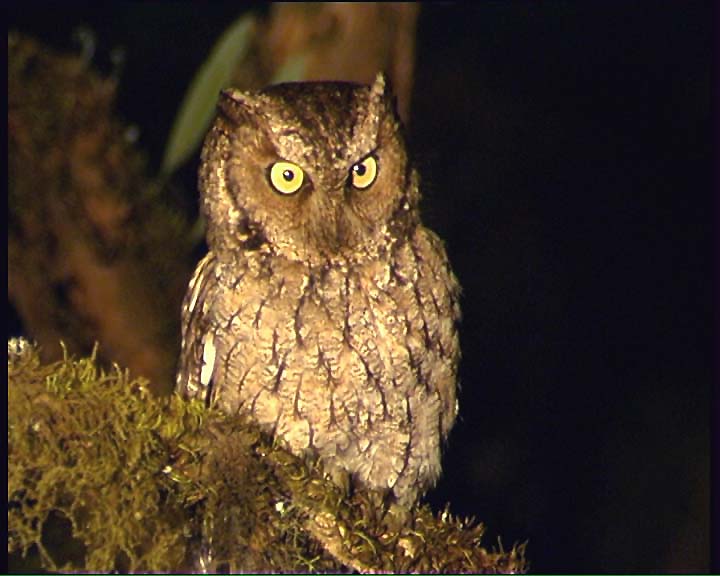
(567, 154)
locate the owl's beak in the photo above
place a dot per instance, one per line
(336, 226)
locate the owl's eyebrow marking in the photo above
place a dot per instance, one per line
(290, 143)
(361, 157)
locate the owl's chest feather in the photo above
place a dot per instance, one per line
(356, 363)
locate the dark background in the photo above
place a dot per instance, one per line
(567, 156)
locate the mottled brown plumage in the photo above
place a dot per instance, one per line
(324, 308)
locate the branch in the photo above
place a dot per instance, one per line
(146, 482)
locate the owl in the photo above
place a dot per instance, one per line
(324, 309)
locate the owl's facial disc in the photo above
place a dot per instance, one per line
(324, 214)
(309, 170)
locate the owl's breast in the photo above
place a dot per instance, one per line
(357, 363)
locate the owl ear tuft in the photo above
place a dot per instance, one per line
(382, 99)
(236, 105)
(379, 85)
(381, 88)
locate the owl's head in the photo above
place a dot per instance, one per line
(309, 170)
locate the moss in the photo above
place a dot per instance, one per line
(91, 446)
(162, 484)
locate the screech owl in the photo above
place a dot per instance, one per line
(323, 308)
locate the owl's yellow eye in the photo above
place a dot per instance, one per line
(286, 177)
(363, 173)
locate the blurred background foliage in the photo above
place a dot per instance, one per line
(566, 154)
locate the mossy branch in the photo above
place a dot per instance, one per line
(147, 483)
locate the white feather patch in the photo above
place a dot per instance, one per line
(208, 359)
(196, 285)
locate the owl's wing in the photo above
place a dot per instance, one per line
(195, 368)
(438, 284)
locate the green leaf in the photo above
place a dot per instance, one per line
(292, 70)
(198, 106)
